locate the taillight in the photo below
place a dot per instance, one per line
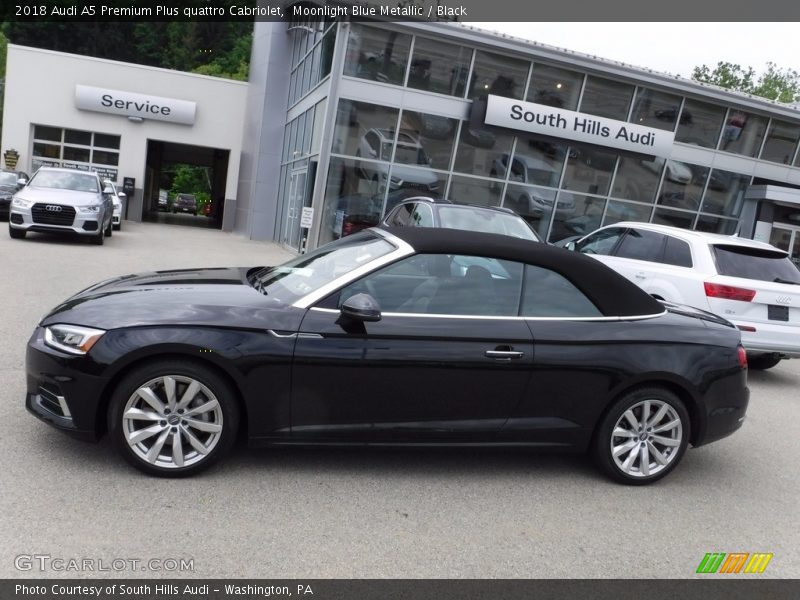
(728, 292)
(742, 357)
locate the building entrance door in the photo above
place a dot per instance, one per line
(786, 237)
(295, 201)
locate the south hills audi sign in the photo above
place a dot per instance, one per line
(138, 106)
(578, 127)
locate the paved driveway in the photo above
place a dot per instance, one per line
(364, 513)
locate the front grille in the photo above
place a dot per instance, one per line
(53, 214)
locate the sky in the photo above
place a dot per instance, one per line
(673, 48)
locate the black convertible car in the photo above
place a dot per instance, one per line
(397, 336)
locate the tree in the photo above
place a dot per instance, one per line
(775, 83)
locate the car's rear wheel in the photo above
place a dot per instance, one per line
(762, 362)
(643, 436)
(173, 418)
(16, 234)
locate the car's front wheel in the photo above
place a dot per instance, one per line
(100, 238)
(173, 418)
(16, 234)
(643, 437)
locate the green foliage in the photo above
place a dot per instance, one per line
(213, 48)
(775, 83)
(189, 179)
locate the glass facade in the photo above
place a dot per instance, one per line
(383, 153)
(76, 149)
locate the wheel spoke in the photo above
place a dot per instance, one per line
(144, 433)
(152, 454)
(665, 441)
(177, 448)
(666, 426)
(645, 413)
(623, 448)
(204, 425)
(210, 405)
(169, 389)
(644, 460)
(149, 396)
(189, 394)
(632, 419)
(137, 414)
(626, 466)
(194, 442)
(622, 432)
(660, 458)
(658, 416)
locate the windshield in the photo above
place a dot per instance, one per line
(755, 263)
(299, 277)
(64, 180)
(488, 221)
(8, 179)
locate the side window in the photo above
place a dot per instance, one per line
(677, 252)
(372, 141)
(641, 244)
(402, 215)
(422, 215)
(602, 242)
(444, 285)
(550, 294)
(517, 171)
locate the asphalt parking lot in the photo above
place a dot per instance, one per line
(365, 513)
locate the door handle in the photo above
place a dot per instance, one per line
(503, 354)
(640, 275)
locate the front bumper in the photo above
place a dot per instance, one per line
(82, 224)
(63, 390)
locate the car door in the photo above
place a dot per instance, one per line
(448, 361)
(638, 255)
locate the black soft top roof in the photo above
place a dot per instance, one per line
(614, 295)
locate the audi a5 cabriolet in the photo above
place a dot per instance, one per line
(407, 336)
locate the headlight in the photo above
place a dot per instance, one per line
(21, 203)
(94, 208)
(72, 338)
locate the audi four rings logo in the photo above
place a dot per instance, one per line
(53, 208)
(783, 300)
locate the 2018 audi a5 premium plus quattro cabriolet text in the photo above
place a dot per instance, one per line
(390, 336)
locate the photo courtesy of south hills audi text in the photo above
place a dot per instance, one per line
(140, 590)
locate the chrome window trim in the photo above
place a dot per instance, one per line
(497, 318)
(402, 250)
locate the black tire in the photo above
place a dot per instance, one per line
(100, 238)
(16, 234)
(677, 437)
(224, 416)
(762, 362)
(110, 229)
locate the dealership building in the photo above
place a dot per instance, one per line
(341, 120)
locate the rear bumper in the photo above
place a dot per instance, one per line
(771, 338)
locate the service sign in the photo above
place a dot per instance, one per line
(130, 104)
(578, 127)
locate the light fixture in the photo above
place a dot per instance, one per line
(135, 119)
(558, 86)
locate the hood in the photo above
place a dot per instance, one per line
(206, 297)
(416, 174)
(57, 196)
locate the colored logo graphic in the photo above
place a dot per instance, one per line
(736, 562)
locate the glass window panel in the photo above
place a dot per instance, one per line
(103, 157)
(606, 98)
(470, 190)
(683, 184)
(433, 134)
(377, 54)
(536, 161)
(319, 120)
(656, 109)
(439, 67)
(700, 123)
(555, 87)
(105, 140)
(717, 225)
(479, 150)
(580, 215)
(499, 75)
(781, 142)
(550, 294)
(405, 180)
(743, 133)
(364, 129)
(637, 179)
(589, 170)
(533, 204)
(328, 44)
(41, 132)
(350, 203)
(46, 150)
(73, 153)
(725, 193)
(675, 218)
(71, 136)
(617, 211)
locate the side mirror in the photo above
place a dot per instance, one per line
(122, 195)
(108, 190)
(22, 182)
(570, 245)
(362, 307)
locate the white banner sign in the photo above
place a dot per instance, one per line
(129, 104)
(578, 127)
